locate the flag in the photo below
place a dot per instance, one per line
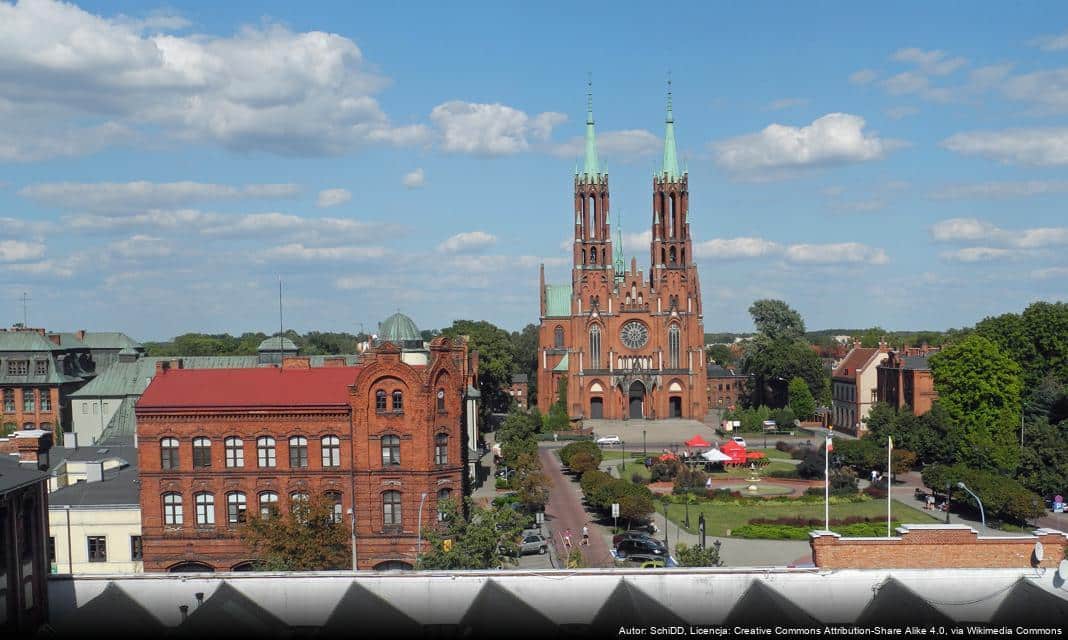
(890, 442)
(830, 444)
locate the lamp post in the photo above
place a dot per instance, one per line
(664, 503)
(982, 515)
(645, 453)
(623, 443)
(352, 518)
(948, 489)
(419, 525)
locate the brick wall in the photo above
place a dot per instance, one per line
(937, 547)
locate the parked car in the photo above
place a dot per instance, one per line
(533, 543)
(608, 440)
(631, 535)
(640, 550)
(739, 440)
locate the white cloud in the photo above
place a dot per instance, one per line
(119, 197)
(1047, 91)
(179, 219)
(44, 268)
(998, 190)
(264, 88)
(141, 247)
(897, 113)
(19, 251)
(935, 63)
(963, 229)
(864, 76)
(1038, 146)
(314, 231)
(786, 103)
(861, 206)
(635, 242)
(333, 197)
(975, 230)
(1050, 272)
(470, 241)
(834, 139)
(628, 144)
(840, 253)
(351, 282)
(1051, 43)
(414, 179)
(302, 253)
(733, 248)
(976, 254)
(490, 129)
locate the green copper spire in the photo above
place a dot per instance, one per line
(590, 167)
(671, 160)
(620, 269)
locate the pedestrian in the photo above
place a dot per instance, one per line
(708, 483)
(585, 535)
(874, 476)
(930, 502)
(567, 539)
(556, 437)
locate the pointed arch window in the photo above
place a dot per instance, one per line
(673, 346)
(595, 347)
(558, 337)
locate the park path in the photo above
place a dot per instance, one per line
(565, 511)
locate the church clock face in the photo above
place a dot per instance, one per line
(634, 334)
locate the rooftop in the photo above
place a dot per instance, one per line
(277, 343)
(14, 474)
(398, 328)
(717, 371)
(119, 487)
(260, 387)
(855, 359)
(110, 340)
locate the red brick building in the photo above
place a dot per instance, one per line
(519, 391)
(631, 344)
(383, 439)
(905, 379)
(726, 386)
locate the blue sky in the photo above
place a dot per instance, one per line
(162, 166)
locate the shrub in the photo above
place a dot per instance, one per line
(785, 447)
(581, 446)
(687, 479)
(501, 483)
(695, 556)
(1003, 498)
(582, 462)
(637, 478)
(788, 473)
(663, 472)
(771, 532)
(877, 491)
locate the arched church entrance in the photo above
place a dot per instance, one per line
(637, 400)
(596, 408)
(675, 406)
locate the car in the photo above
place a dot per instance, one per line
(608, 440)
(630, 535)
(641, 550)
(739, 440)
(533, 543)
(653, 564)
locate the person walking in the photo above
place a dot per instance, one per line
(567, 539)
(930, 502)
(585, 535)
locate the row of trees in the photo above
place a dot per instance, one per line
(600, 489)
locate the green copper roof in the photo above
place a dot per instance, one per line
(398, 328)
(277, 343)
(620, 269)
(671, 159)
(590, 167)
(557, 300)
(563, 364)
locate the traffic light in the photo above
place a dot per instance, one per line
(446, 545)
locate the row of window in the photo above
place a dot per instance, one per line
(31, 399)
(97, 548)
(397, 401)
(22, 367)
(266, 453)
(237, 507)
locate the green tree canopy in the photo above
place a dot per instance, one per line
(496, 360)
(771, 364)
(487, 539)
(979, 388)
(801, 400)
(304, 539)
(775, 319)
(1037, 339)
(720, 354)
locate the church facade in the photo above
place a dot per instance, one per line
(630, 344)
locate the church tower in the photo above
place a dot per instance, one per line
(670, 247)
(593, 237)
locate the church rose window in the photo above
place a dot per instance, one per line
(634, 334)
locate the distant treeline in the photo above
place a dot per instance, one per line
(868, 337)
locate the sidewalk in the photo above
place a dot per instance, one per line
(566, 511)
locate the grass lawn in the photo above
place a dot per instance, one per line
(719, 517)
(617, 454)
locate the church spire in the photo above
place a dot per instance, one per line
(619, 249)
(590, 167)
(671, 160)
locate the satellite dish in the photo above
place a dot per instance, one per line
(1040, 551)
(1062, 570)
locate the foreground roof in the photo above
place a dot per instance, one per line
(110, 340)
(261, 387)
(14, 474)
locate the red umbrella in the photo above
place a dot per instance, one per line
(697, 442)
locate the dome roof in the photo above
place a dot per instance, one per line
(398, 328)
(272, 344)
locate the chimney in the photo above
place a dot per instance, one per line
(33, 445)
(81, 334)
(296, 362)
(334, 361)
(70, 440)
(54, 337)
(856, 344)
(94, 471)
(162, 366)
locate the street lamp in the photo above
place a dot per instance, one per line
(982, 515)
(419, 526)
(624, 445)
(352, 516)
(664, 502)
(645, 453)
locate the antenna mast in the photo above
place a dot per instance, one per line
(281, 331)
(25, 314)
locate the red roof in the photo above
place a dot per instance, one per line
(856, 359)
(262, 387)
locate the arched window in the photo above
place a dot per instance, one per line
(595, 347)
(235, 452)
(593, 256)
(331, 451)
(441, 448)
(673, 346)
(558, 337)
(390, 451)
(391, 508)
(205, 507)
(268, 504)
(380, 401)
(672, 255)
(298, 452)
(168, 453)
(265, 453)
(201, 452)
(443, 495)
(674, 217)
(172, 509)
(335, 511)
(236, 505)
(298, 504)
(663, 256)
(595, 216)
(583, 256)
(441, 401)
(398, 401)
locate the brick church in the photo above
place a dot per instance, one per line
(629, 343)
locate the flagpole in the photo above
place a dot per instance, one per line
(889, 472)
(827, 484)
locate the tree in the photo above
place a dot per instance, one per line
(771, 364)
(304, 539)
(776, 320)
(720, 354)
(582, 462)
(696, 556)
(531, 484)
(871, 338)
(979, 387)
(487, 539)
(558, 419)
(496, 361)
(525, 347)
(801, 400)
(1003, 498)
(927, 435)
(1037, 339)
(1043, 465)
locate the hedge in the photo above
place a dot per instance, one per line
(548, 437)
(1003, 498)
(788, 532)
(584, 446)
